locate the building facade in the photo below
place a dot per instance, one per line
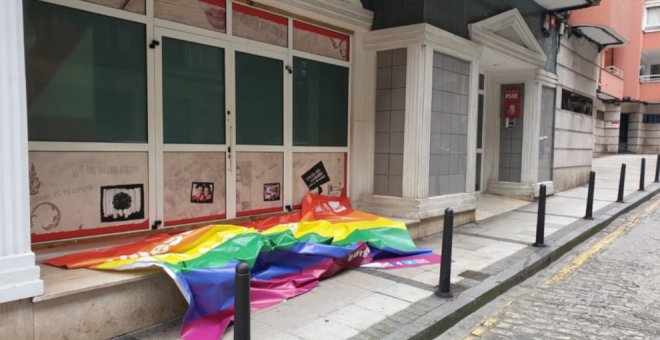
(142, 115)
(629, 93)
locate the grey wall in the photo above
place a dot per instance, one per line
(546, 145)
(511, 147)
(449, 125)
(390, 119)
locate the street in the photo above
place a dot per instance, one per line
(607, 288)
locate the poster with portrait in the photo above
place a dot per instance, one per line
(201, 192)
(194, 187)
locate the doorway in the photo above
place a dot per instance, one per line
(623, 133)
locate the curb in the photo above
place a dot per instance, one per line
(440, 319)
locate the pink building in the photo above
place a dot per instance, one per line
(629, 80)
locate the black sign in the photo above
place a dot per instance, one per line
(316, 176)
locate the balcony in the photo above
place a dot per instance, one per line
(611, 83)
(649, 89)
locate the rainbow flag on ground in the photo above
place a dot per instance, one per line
(287, 254)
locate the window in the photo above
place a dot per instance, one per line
(655, 72)
(600, 115)
(577, 103)
(651, 119)
(652, 18)
(320, 103)
(259, 100)
(86, 76)
(193, 93)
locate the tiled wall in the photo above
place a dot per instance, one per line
(511, 149)
(390, 119)
(449, 125)
(546, 141)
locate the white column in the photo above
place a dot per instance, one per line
(417, 130)
(531, 132)
(363, 120)
(19, 276)
(473, 107)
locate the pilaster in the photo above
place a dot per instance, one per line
(363, 116)
(19, 276)
(531, 133)
(417, 131)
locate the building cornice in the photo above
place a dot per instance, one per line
(438, 39)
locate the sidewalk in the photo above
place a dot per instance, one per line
(489, 256)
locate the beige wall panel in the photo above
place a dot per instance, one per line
(65, 188)
(253, 171)
(136, 6)
(180, 170)
(193, 12)
(334, 165)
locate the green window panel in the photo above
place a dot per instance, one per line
(259, 100)
(86, 76)
(320, 103)
(193, 93)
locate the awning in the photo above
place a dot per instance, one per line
(564, 5)
(603, 36)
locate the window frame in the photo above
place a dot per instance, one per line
(651, 5)
(155, 146)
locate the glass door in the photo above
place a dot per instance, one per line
(191, 123)
(259, 148)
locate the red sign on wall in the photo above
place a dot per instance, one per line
(512, 101)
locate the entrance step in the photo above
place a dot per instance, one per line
(94, 304)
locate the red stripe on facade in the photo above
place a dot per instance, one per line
(219, 3)
(260, 14)
(195, 220)
(320, 30)
(89, 232)
(258, 211)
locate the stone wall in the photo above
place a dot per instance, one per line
(577, 71)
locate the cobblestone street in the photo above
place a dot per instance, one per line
(608, 288)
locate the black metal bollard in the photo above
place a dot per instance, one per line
(445, 262)
(540, 219)
(641, 175)
(242, 302)
(590, 196)
(657, 170)
(622, 183)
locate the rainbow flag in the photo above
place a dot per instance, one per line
(287, 254)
